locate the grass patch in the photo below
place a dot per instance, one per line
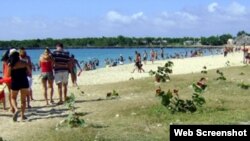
(139, 115)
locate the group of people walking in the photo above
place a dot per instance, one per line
(55, 67)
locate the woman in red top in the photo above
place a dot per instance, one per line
(4, 60)
(46, 64)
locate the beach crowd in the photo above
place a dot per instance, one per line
(58, 65)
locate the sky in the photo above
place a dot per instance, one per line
(32, 19)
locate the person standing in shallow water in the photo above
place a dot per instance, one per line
(18, 71)
(46, 63)
(162, 54)
(61, 70)
(145, 57)
(152, 55)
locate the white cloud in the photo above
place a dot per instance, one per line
(187, 16)
(233, 9)
(236, 9)
(164, 22)
(212, 7)
(176, 19)
(180, 15)
(138, 16)
(114, 16)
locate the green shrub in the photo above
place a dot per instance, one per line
(166, 98)
(204, 71)
(221, 75)
(73, 119)
(112, 95)
(162, 73)
(242, 73)
(172, 101)
(244, 86)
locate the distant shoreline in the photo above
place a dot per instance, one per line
(120, 47)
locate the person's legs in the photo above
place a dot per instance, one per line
(24, 93)
(44, 83)
(28, 100)
(73, 78)
(31, 94)
(13, 100)
(14, 104)
(51, 81)
(65, 90)
(59, 86)
(142, 69)
(9, 90)
(75, 74)
(65, 84)
(4, 104)
(30, 91)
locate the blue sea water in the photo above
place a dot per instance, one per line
(113, 53)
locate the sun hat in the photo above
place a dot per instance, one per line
(12, 51)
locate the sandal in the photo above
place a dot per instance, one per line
(60, 103)
(15, 116)
(24, 118)
(52, 102)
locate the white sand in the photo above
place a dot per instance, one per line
(123, 72)
(181, 66)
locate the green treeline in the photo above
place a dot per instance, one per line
(120, 41)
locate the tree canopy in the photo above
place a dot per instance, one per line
(120, 41)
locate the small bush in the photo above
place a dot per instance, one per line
(204, 71)
(162, 73)
(73, 119)
(242, 73)
(221, 75)
(228, 63)
(112, 95)
(172, 101)
(244, 86)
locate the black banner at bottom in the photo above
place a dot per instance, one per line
(211, 132)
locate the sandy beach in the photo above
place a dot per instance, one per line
(181, 66)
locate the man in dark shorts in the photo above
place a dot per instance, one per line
(61, 70)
